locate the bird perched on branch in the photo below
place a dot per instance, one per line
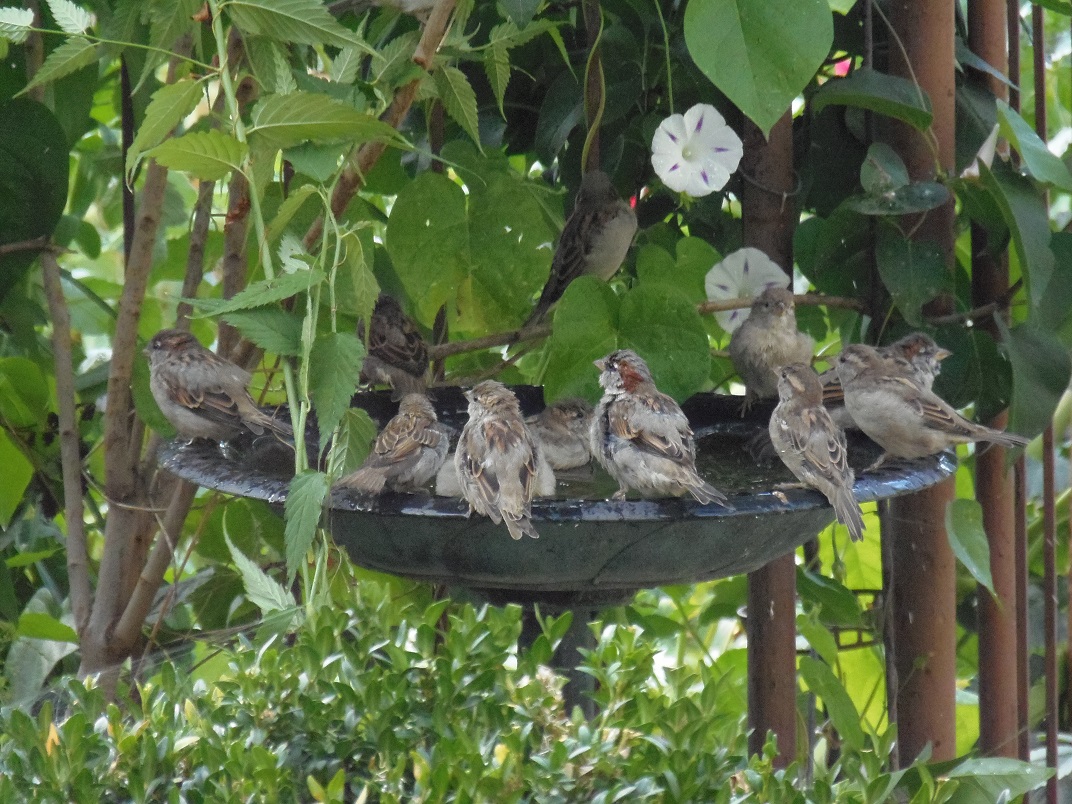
(891, 406)
(202, 394)
(397, 353)
(767, 340)
(811, 445)
(408, 451)
(561, 431)
(918, 348)
(640, 435)
(594, 240)
(497, 459)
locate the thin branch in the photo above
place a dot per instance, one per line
(37, 244)
(443, 350)
(195, 257)
(353, 176)
(70, 458)
(33, 51)
(983, 311)
(235, 261)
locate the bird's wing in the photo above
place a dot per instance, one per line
(822, 445)
(654, 424)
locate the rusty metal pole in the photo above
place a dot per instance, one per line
(998, 712)
(769, 213)
(924, 594)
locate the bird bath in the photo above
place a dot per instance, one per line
(592, 552)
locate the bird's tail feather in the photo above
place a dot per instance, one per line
(848, 513)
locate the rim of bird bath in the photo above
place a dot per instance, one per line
(591, 552)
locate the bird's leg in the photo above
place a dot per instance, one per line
(881, 460)
(619, 494)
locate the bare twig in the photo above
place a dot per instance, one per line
(983, 311)
(808, 298)
(70, 458)
(33, 50)
(443, 350)
(37, 244)
(235, 262)
(195, 257)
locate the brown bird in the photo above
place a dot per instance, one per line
(408, 451)
(561, 431)
(918, 348)
(767, 340)
(641, 437)
(887, 401)
(594, 240)
(497, 459)
(202, 394)
(812, 446)
(397, 353)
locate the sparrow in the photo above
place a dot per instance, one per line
(397, 353)
(497, 459)
(561, 431)
(767, 340)
(448, 485)
(408, 452)
(640, 435)
(918, 348)
(811, 445)
(892, 407)
(594, 240)
(202, 394)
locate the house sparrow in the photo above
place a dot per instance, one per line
(408, 451)
(918, 348)
(640, 435)
(767, 340)
(888, 402)
(497, 459)
(811, 445)
(561, 431)
(594, 240)
(448, 485)
(202, 394)
(397, 354)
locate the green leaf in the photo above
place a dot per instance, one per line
(170, 104)
(301, 515)
(996, 778)
(36, 625)
(344, 67)
(272, 329)
(259, 294)
(1041, 370)
(287, 210)
(428, 241)
(839, 605)
(458, 99)
(334, 366)
(964, 524)
(268, 595)
(351, 445)
(358, 289)
(306, 22)
(585, 329)
(882, 170)
(819, 637)
(24, 393)
(283, 121)
(208, 155)
(761, 55)
(168, 22)
(1024, 212)
(887, 95)
(17, 475)
(918, 197)
(1060, 6)
(1037, 158)
(839, 706)
(497, 68)
(15, 24)
(913, 271)
(74, 54)
(26, 559)
(71, 18)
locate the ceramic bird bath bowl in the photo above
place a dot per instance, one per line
(591, 551)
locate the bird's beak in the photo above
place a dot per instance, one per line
(600, 364)
(942, 354)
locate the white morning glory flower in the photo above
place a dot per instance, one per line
(746, 272)
(695, 153)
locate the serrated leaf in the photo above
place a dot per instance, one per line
(359, 288)
(15, 24)
(287, 210)
(344, 67)
(458, 99)
(839, 706)
(334, 366)
(170, 104)
(168, 22)
(888, 95)
(208, 155)
(301, 514)
(497, 67)
(263, 592)
(37, 625)
(282, 121)
(306, 22)
(964, 526)
(258, 294)
(270, 328)
(72, 55)
(351, 445)
(71, 19)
